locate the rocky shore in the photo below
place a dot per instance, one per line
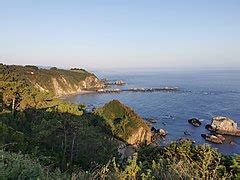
(116, 83)
(160, 89)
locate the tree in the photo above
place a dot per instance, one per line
(1, 101)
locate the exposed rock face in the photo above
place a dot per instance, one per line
(64, 82)
(63, 87)
(224, 125)
(125, 151)
(125, 124)
(142, 135)
(59, 82)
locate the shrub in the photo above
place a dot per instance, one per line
(18, 166)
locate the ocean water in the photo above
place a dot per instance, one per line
(203, 94)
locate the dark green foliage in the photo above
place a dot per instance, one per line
(1, 101)
(234, 162)
(17, 166)
(183, 159)
(60, 134)
(179, 160)
(71, 140)
(10, 138)
(78, 70)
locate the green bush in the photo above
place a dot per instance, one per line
(235, 166)
(18, 166)
(183, 159)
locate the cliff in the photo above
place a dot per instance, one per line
(124, 123)
(57, 81)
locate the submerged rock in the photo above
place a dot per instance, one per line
(213, 138)
(187, 133)
(209, 127)
(224, 125)
(232, 143)
(151, 120)
(195, 122)
(164, 123)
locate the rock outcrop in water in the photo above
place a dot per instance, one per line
(224, 125)
(195, 122)
(124, 123)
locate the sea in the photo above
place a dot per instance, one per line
(202, 94)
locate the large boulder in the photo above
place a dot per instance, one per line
(124, 123)
(161, 132)
(158, 132)
(224, 125)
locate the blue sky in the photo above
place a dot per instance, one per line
(105, 34)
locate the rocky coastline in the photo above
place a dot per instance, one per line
(219, 127)
(159, 89)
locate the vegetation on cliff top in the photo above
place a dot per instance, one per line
(49, 80)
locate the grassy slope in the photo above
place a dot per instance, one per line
(122, 120)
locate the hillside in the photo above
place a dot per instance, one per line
(59, 135)
(56, 81)
(42, 137)
(125, 123)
